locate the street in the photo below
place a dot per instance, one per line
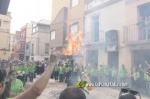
(54, 88)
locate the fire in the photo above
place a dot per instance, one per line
(74, 44)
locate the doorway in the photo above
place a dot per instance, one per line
(113, 59)
(92, 57)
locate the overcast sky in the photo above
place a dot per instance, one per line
(25, 11)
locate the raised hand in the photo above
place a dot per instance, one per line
(148, 72)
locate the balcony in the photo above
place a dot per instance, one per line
(20, 51)
(133, 34)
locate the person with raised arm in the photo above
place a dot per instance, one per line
(37, 87)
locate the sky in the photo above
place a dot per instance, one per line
(25, 11)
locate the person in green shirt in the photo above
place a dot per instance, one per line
(93, 74)
(107, 73)
(68, 71)
(25, 73)
(64, 67)
(75, 72)
(61, 73)
(16, 86)
(135, 77)
(146, 78)
(19, 72)
(114, 74)
(123, 74)
(34, 67)
(31, 71)
(101, 73)
(56, 72)
(87, 71)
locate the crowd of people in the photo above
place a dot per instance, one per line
(15, 74)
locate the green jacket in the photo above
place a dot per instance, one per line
(107, 71)
(56, 68)
(114, 73)
(123, 72)
(25, 69)
(101, 71)
(75, 69)
(61, 70)
(136, 75)
(68, 69)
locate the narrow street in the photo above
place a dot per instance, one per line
(54, 88)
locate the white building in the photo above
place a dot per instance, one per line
(39, 42)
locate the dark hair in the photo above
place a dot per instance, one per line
(6, 92)
(2, 75)
(72, 93)
(128, 96)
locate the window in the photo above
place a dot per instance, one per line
(74, 28)
(32, 49)
(23, 34)
(46, 48)
(95, 29)
(34, 28)
(27, 46)
(23, 46)
(53, 34)
(74, 3)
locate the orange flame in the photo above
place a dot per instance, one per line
(74, 44)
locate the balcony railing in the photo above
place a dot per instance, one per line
(134, 33)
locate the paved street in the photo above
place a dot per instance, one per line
(54, 88)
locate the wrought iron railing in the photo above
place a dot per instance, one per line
(134, 33)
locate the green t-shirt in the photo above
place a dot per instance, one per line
(68, 69)
(107, 71)
(136, 75)
(114, 73)
(123, 72)
(75, 69)
(87, 71)
(56, 68)
(20, 67)
(25, 69)
(61, 70)
(146, 77)
(93, 72)
(16, 87)
(31, 69)
(101, 71)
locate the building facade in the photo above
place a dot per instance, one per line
(21, 40)
(114, 36)
(12, 44)
(5, 23)
(104, 40)
(39, 41)
(137, 36)
(28, 41)
(67, 17)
